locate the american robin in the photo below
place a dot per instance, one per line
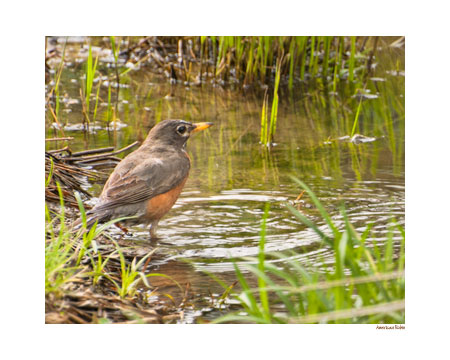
(147, 182)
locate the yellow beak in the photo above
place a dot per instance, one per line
(201, 126)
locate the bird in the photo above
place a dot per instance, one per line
(146, 183)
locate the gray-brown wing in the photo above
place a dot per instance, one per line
(150, 177)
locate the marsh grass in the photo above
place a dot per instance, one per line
(88, 266)
(264, 120)
(60, 258)
(355, 123)
(130, 275)
(268, 129)
(90, 69)
(67, 251)
(351, 64)
(54, 92)
(115, 47)
(366, 284)
(251, 59)
(273, 61)
(58, 80)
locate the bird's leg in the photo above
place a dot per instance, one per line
(124, 229)
(153, 227)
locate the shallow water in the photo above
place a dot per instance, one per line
(218, 215)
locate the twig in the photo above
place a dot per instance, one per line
(65, 148)
(186, 294)
(103, 156)
(56, 120)
(60, 139)
(301, 194)
(125, 148)
(87, 161)
(108, 163)
(298, 200)
(93, 151)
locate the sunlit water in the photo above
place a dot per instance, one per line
(218, 215)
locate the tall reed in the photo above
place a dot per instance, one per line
(54, 92)
(268, 129)
(351, 65)
(90, 68)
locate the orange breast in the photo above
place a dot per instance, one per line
(159, 205)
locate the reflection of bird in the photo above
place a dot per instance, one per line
(148, 181)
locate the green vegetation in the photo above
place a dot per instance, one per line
(333, 72)
(268, 129)
(130, 276)
(81, 264)
(65, 249)
(365, 284)
(55, 94)
(316, 94)
(90, 68)
(251, 59)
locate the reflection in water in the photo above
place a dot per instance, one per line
(218, 215)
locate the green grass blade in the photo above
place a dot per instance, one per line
(261, 257)
(351, 65)
(355, 122)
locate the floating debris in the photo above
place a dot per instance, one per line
(377, 79)
(395, 73)
(357, 139)
(55, 126)
(82, 127)
(92, 127)
(117, 125)
(366, 96)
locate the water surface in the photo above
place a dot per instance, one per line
(218, 215)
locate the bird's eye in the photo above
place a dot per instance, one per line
(181, 129)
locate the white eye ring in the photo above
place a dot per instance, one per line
(181, 129)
